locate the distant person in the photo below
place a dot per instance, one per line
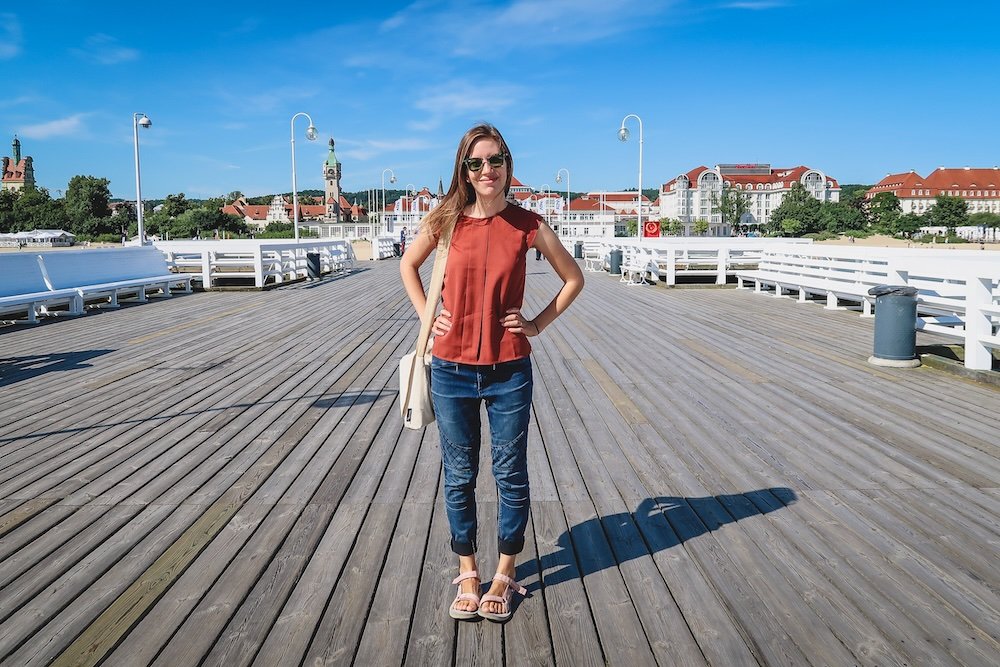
(481, 352)
(402, 241)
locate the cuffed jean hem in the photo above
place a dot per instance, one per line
(510, 548)
(463, 548)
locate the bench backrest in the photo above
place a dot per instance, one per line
(20, 273)
(78, 268)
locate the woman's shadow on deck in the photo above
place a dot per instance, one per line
(656, 525)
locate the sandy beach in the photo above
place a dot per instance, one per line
(882, 241)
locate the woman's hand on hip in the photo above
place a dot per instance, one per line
(515, 322)
(442, 323)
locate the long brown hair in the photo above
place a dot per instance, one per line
(460, 192)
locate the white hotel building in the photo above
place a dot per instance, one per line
(689, 197)
(980, 188)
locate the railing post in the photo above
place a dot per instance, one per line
(978, 326)
(206, 269)
(258, 267)
(723, 258)
(671, 266)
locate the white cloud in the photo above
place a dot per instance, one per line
(10, 36)
(460, 98)
(370, 148)
(73, 125)
(105, 50)
(19, 101)
(754, 5)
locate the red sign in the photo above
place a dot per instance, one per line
(651, 229)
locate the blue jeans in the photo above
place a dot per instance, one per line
(457, 391)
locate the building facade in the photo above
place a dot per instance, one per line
(18, 173)
(693, 196)
(980, 188)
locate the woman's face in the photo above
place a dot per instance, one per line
(489, 181)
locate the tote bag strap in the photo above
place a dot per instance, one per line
(433, 295)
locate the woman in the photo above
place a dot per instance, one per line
(481, 350)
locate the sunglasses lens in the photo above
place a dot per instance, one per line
(497, 161)
(474, 163)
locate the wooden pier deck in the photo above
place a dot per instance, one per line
(718, 478)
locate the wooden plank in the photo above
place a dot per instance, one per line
(574, 635)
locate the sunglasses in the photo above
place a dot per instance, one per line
(476, 163)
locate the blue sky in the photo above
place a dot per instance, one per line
(858, 89)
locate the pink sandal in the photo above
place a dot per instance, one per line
(464, 614)
(504, 600)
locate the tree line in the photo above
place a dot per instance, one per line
(86, 212)
(801, 214)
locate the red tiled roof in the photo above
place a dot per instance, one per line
(615, 196)
(312, 211)
(778, 176)
(967, 183)
(15, 170)
(514, 183)
(582, 204)
(256, 211)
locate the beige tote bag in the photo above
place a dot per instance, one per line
(415, 368)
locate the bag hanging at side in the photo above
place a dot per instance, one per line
(415, 368)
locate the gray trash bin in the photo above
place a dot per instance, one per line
(895, 326)
(578, 250)
(312, 265)
(615, 262)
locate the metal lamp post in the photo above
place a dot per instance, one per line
(559, 180)
(137, 120)
(392, 179)
(410, 187)
(623, 136)
(311, 135)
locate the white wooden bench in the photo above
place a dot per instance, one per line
(595, 255)
(24, 290)
(109, 273)
(811, 271)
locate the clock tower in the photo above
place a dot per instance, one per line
(331, 174)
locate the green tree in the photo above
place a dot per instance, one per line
(174, 205)
(700, 227)
(985, 219)
(799, 205)
(883, 210)
(126, 220)
(7, 220)
(792, 227)
(671, 226)
(154, 224)
(731, 205)
(205, 222)
(908, 224)
(35, 209)
(86, 201)
(949, 212)
(837, 218)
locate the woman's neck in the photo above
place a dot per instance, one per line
(486, 208)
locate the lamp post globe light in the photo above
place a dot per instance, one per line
(392, 179)
(311, 135)
(137, 120)
(559, 180)
(623, 135)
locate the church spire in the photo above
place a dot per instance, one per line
(440, 194)
(16, 146)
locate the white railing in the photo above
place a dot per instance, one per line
(667, 257)
(262, 261)
(957, 292)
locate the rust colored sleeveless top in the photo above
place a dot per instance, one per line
(483, 278)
